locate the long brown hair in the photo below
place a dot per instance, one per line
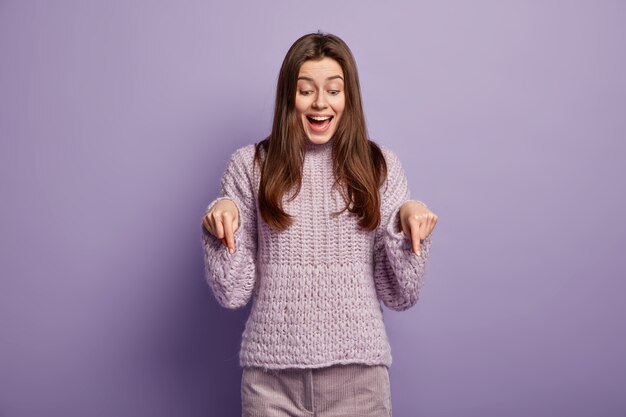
(358, 163)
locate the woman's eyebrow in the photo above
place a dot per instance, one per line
(333, 77)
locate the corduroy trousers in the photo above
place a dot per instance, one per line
(352, 390)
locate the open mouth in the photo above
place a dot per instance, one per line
(319, 123)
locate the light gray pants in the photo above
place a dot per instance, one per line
(353, 390)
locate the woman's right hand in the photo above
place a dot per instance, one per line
(222, 222)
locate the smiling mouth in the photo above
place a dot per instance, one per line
(319, 120)
(319, 124)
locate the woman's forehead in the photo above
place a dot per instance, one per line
(320, 69)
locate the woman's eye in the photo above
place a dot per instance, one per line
(333, 92)
(306, 92)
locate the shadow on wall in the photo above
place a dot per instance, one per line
(203, 352)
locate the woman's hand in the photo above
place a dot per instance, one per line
(222, 222)
(417, 222)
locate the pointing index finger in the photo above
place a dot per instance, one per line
(228, 233)
(415, 236)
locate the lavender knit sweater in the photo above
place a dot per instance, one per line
(316, 287)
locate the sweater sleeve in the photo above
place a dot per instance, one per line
(398, 271)
(232, 277)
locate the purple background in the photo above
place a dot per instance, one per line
(117, 119)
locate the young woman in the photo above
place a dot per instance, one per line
(315, 224)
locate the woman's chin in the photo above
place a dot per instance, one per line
(318, 138)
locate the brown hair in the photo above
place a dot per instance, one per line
(358, 163)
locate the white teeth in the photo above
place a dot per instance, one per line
(320, 118)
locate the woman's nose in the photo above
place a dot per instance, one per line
(320, 101)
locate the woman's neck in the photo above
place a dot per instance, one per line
(316, 147)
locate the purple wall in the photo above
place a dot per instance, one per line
(117, 119)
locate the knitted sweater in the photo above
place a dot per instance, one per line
(316, 287)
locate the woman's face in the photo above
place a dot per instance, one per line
(320, 98)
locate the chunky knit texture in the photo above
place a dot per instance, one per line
(316, 287)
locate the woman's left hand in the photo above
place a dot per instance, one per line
(417, 222)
